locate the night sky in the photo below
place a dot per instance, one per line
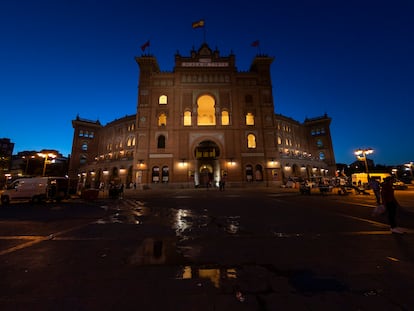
(351, 60)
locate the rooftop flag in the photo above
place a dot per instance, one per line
(145, 45)
(198, 24)
(255, 43)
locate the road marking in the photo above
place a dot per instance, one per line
(36, 239)
(23, 245)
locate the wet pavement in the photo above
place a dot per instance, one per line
(197, 249)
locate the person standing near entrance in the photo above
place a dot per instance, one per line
(391, 204)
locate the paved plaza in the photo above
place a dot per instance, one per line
(199, 249)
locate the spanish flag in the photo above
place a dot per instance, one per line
(198, 24)
(255, 43)
(145, 45)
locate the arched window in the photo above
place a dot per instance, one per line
(162, 119)
(131, 141)
(258, 173)
(279, 140)
(206, 112)
(225, 120)
(165, 174)
(319, 143)
(162, 100)
(322, 155)
(187, 118)
(249, 118)
(251, 141)
(155, 174)
(161, 142)
(82, 159)
(249, 173)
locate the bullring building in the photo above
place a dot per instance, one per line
(203, 122)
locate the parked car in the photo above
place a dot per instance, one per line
(35, 189)
(399, 185)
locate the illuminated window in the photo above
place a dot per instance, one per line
(251, 141)
(131, 141)
(225, 118)
(162, 100)
(279, 140)
(206, 111)
(162, 119)
(249, 119)
(187, 118)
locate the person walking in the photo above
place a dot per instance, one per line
(376, 188)
(391, 204)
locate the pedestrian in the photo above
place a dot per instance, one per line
(121, 191)
(391, 204)
(376, 188)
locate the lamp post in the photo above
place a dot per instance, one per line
(362, 155)
(46, 156)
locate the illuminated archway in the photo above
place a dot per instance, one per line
(206, 114)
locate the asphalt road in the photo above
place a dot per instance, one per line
(198, 249)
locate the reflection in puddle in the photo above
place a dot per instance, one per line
(287, 235)
(129, 212)
(187, 223)
(153, 252)
(214, 275)
(233, 224)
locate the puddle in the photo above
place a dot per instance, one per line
(188, 223)
(131, 212)
(216, 276)
(261, 279)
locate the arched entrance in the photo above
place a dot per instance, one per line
(207, 165)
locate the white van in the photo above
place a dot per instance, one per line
(35, 189)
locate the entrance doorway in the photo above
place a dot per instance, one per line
(206, 175)
(208, 167)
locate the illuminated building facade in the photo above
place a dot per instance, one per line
(200, 123)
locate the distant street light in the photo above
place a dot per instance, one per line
(46, 156)
(410, 168)
(362, 155)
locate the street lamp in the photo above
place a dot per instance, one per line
(362, 155)
(27, 158)
(46, 156)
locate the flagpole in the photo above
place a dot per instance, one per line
(204, 30)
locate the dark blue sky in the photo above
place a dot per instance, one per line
(351, 60)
